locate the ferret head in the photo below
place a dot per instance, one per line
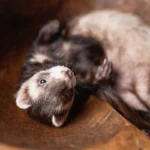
(48, 94)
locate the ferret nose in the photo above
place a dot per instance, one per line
(69, 73)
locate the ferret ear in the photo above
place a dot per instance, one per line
(50, 32)
(22, 98)
(59, 120)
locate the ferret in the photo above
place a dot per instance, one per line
(55, 76)
(108, 51)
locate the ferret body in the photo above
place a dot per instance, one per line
(126, 43)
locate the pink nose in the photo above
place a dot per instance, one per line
(69, 73)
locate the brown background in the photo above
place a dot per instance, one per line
(97, 126)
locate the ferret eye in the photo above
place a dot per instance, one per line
(43, 81)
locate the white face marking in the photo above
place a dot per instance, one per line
(58, 72)
(38, 57)
(34, 91)
(55, 73)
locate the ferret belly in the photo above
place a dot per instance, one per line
(130, 56)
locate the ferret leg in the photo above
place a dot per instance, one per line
(103, 72)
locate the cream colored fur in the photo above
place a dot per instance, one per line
(126, 40)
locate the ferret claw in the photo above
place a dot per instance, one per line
(104, 70)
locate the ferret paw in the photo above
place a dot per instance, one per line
(104, 71)
(146, 131)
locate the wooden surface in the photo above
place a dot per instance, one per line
(97, 126)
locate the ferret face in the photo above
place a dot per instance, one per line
(49, 94)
